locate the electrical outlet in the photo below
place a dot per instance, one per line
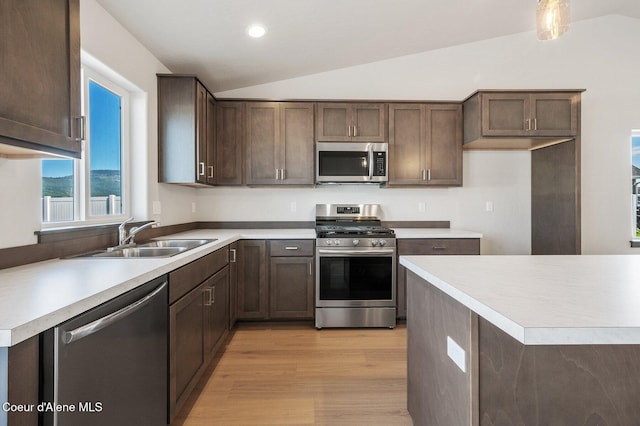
(293, 207)
(422, 207)
(193, 207)
(488, 206)
(156, 207)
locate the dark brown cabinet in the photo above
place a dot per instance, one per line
(279, 143)
(493, 118)
(40, 84)
(229, 141)
(425, 144)
(291, 289)
(428, 246)
(198, 321)
(275, 279)
(21, 376)
(253, 281)
(186, 142)
(351, 122)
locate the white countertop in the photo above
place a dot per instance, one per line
(38, 296)
(408, 233)
(544, 300)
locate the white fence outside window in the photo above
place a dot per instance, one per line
(60, 209)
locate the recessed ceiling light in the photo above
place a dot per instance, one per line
(256, 31)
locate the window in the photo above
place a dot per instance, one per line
(635, 181)
(94, 188)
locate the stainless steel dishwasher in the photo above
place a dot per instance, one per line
(108, 366)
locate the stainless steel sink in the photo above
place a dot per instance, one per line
(187, 244)
(141, 252)
(154, 248)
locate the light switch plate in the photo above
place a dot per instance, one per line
(457, 354)
(156, 207)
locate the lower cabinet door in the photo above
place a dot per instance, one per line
(186, 347)
(216, 307)
(291, 288)
(253, 281)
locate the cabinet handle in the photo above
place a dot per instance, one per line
(438, 248)
(424, 174)
(82, 120)
(201, 169)
(233, 258)
(429, 175)
(277, 174)
(211, 296)
(349, 131)
(527, 124)
(355, 130)
(310, 267)
(210, 172)
(535, 124)
(281, 174)
(291, 248)
(207, 292)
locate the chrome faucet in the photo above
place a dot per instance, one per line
(126, 239)
(122, 232)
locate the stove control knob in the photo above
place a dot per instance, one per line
(329, 242)
(336, 242)
(383, 243)
(374, 243)
(355, 242)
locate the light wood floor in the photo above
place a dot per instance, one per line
(297, 375)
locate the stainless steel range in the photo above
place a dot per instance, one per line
(355, 267)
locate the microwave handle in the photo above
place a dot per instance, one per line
(370, 149)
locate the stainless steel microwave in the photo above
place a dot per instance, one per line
(351, 162)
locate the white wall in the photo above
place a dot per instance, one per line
(598, 55)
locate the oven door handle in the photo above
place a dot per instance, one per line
(358, 252)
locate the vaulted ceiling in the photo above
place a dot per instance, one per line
(208, 37)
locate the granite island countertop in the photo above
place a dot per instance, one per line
(544, 300)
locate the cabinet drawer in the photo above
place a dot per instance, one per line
(290, 248)
(183, 279)
(434, 246)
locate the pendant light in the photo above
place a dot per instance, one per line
(552, 18)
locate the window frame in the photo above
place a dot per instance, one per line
(82, 167)
(635, 239)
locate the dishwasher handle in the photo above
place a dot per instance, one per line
(99, 324)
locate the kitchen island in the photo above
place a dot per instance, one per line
(502, 340)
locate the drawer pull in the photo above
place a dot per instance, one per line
(291, 248)
(438, 248)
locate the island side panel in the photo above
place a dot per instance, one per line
(438, 391)
(559, 385)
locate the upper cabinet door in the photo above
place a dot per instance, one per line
(296, 143)
(505, 114)
(347, 122)
(229, 143)
(262, 143)
(406, 144)
(555, 114)
(334, 122)
(368, 123)
(444, 144)
(40, 84)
